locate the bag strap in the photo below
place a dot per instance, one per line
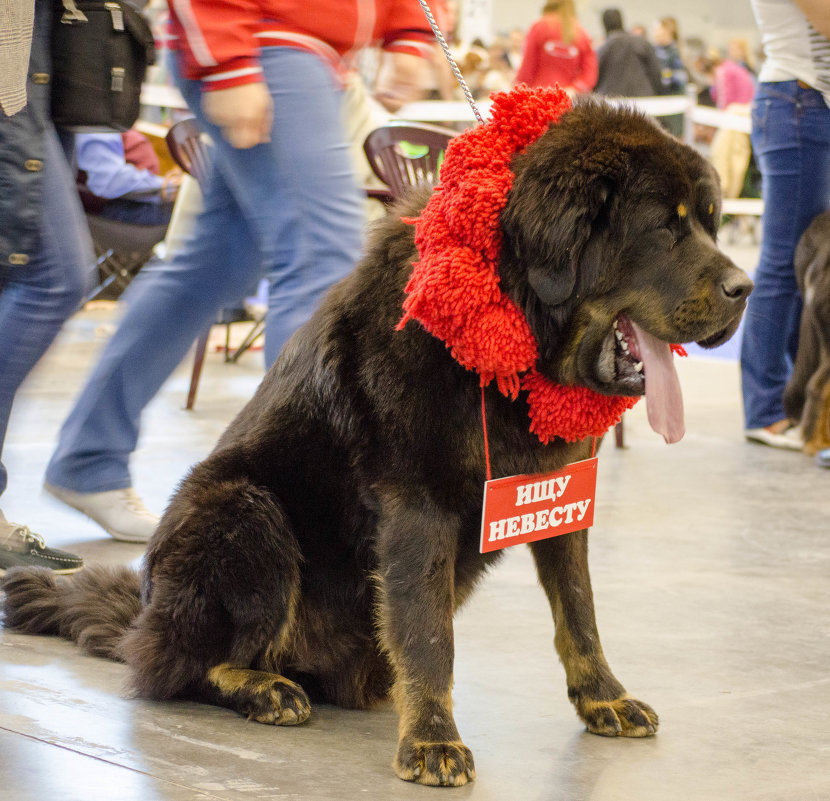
(138, 27)
(71, 13)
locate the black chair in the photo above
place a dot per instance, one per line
(191, 152)
(121, 250)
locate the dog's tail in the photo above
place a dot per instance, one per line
(94, 608)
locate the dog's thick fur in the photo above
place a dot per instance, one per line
(323, 546)
(807, 397)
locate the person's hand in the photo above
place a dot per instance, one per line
(243, 113)
(402, 79)
(172, 182)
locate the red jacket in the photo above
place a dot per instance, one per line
(547, 60)
(220, 39)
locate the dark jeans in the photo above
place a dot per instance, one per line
(36, 299)
(791, 142)
(138, 213)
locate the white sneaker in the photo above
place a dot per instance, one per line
(120, 513)
(789, 439)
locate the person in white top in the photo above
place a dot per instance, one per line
(791, 141)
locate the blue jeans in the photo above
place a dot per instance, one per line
(289, 210)
(791, 141)
(36, 299)
(137, 212)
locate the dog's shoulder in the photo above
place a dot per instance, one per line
(350, 363)
(813, 253)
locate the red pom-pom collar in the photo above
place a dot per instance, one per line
(454, 288)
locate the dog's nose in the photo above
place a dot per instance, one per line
(736, 285)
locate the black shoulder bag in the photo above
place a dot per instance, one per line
(100, 53)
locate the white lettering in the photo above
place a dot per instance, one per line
(569, 509)
(540, 491)
(547, 490)
(497, 530)
(553, 517)
(562, 483)
(523, 494)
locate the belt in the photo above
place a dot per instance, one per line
(804, 85)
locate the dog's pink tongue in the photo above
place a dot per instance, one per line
(664, 400)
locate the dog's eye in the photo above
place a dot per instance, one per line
(710, 217)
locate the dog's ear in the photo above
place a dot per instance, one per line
(548, 229)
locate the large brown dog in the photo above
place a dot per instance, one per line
(807, 397)
(321, 549)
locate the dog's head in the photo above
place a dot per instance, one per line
(610, 251)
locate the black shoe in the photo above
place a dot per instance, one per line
(823, 458)
(21, 547)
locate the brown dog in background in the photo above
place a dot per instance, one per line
(807, 397)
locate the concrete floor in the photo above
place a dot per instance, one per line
(711, 569)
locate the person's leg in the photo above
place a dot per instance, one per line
(791, 142)
(168, 305)
(298, 192)
(322, 235)
(37, 298)
(260, 214)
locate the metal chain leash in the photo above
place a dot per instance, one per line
(453, 66)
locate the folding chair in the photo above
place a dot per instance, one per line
(121, 250)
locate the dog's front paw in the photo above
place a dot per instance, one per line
(447, 764)
(622, 717)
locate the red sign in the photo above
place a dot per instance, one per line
(534, 507)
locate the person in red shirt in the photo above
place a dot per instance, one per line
(559, 51)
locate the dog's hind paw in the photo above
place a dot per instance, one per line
(286, 704)
(259, 695)
(441, 764)
(622, 717)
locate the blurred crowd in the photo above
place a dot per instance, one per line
(635, 61)
(720, 75)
